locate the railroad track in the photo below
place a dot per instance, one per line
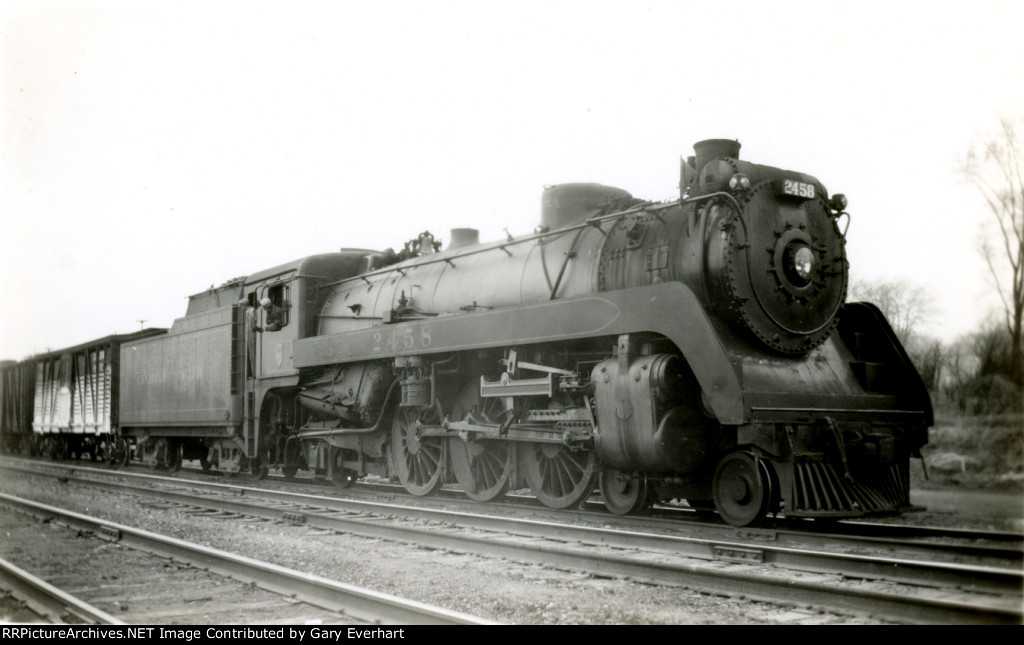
(680, 518)
(760, 566)
(180, 570)
(921, 542)
(1000, 544)
(47, 601)
(957, 542)
(963, 541)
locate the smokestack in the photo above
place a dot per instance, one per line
(715, 149)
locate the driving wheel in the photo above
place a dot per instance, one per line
(420, 462)
(559, 476)
(482, 467)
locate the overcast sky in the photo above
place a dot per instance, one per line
(152, 149)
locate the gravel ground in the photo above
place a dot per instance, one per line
(12, 611)
(498, 590)
(978, 509)
(140, 588)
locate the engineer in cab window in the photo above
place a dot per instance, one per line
(274, 315)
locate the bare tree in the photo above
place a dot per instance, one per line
(996, 169)
(929, 356)
(908, 307)
(961, 368)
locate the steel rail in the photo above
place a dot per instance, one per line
(902, 570)
(859, 529)
(703, 576)
(1006, 547)
(859, 532)
(761, 546)
(865, 527)
(864, 535)
(48, 601)
(363, 604)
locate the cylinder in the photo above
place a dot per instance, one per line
(649, 416)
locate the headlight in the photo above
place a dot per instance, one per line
(803, 263)
(799, 264)
(739, 181)
(838, 202)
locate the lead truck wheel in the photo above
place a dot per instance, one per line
(742, 488)
(624, 493)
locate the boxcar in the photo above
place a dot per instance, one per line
(17, 386)
(74, 399)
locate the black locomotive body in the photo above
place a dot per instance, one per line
(698, 349)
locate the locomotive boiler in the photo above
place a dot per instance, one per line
(699, 349)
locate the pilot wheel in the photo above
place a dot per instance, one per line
(743, 488)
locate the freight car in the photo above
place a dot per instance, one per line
(17, 385)
(64, 403)
(699, 349)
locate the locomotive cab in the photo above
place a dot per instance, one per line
(285, 303)
(280, 307)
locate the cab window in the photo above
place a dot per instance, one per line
(276, 305)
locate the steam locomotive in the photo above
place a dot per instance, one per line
(698, 349)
